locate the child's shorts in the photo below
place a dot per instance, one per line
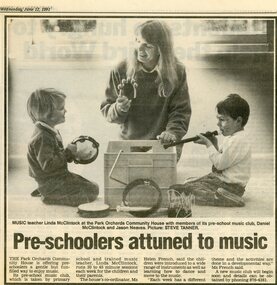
(205, 190)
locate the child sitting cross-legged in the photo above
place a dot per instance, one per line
(225, 185)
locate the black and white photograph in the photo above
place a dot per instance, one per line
(185, 103)
(138, 143)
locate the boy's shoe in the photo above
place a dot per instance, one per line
(190, 179)
(231, 199)
(35, 193)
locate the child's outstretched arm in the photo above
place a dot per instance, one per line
(203, 140)
(207, 141)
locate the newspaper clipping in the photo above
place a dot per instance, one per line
(138, 147)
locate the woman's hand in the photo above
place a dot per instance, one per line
(166, 137)
(123, 104)
(127, 92)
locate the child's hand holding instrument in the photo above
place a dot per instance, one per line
(192, 139)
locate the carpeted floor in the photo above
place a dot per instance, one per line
(209, 82)
(259, 195)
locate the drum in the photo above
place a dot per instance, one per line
(95, 209)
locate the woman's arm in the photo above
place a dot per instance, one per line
(109, 107)
(179, 112)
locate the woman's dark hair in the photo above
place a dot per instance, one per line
(235, 107)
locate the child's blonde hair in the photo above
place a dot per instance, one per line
(42, 102)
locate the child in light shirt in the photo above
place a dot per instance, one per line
(225, 185)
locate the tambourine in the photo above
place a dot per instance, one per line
(95, 209)
(87, 149)
(142, 197)
(128, 87)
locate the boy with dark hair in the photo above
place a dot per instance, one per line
(225, 185)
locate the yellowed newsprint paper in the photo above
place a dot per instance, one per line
(97, 101)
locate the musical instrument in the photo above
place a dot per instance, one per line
(87, 149)
(141, 198)
(207, 135)
(95, 209)
(179, 201)
(128, 87)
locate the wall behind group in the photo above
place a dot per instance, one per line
(210, 78)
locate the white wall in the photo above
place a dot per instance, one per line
(83, 79)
